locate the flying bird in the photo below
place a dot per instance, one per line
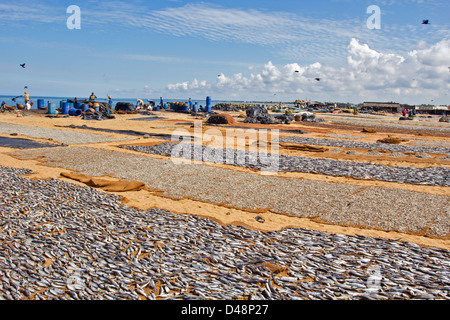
(26, 87)
(425, 22)
(14, 99)
(317, 79)
(296, 71)
(23, 65)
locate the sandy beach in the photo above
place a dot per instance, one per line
(233, 195)
(170, 121)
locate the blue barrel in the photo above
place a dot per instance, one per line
(195, 107)
(165, 106)
(65, 108)
(40, 103)
(51, 108)
(85, 107)
(75, 112)
(61, 103)
(156, 108)
(208, 104)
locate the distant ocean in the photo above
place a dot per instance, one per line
(56, 100)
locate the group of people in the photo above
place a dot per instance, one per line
(27, 101)
(411, 113)
(147, 106)
(92, 98)
(139, 102)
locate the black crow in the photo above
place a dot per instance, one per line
(317, 79)
(425, 22)
(23, 65)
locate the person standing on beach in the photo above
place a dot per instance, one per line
(26, 97)
(92, 97)
(110, 101)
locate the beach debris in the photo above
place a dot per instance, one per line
(259, 219)
(391, 140)
(444, 119)
(302, 147)
(233, 106)
(284, 118)
(368, 130)
(124, 106)
(259, 114)
(307, 116)
(352, 152)
(103, 113)
(181, 107)
(221, 118)
(107, 185)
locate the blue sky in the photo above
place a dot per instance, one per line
(229, 50)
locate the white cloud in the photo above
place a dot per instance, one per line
(21, 12)
(368, 74)
(436, 55)
(286, 34)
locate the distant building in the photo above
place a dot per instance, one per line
(443, 110)
(382, 106)
(314, 104)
